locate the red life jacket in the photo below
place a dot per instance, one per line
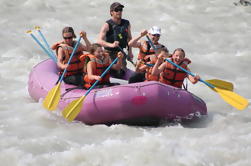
(98, 68)
(76, 64)
(173, 75)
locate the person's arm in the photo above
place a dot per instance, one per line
(145, 65)
(135, 41)
(138, 65)
(118, 65)
(55, 45)
(101, 37)
(130, 54)
(60, 56)
(142, 68)
(87, 45)
(192, 79)
(159, 66)
(90, 74)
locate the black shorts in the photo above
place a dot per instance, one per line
(137, 77)
(74, 80)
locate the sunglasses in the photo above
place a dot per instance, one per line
(118, 9)
(70, 37)
(156, 35)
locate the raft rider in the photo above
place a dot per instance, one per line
(115, 33)
(170, 74)
(145, 51)
(74, 72)
(99, 61)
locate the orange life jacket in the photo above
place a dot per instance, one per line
(76, 65)
(98, 68)
(146, 50)
(173, 75)
(148, 74)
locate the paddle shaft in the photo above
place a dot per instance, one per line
(73, 52)
(151, 43)
(188, 72)
(45, 50)
(155, 50)
(122, 51)
(45, 41)
(130, 60)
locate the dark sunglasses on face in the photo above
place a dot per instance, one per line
(156, 35)
(118, 10)
(70, 37)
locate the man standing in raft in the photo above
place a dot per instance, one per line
(170, 74)
(115, 33)
(74, 73)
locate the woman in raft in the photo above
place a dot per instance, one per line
(75, 70)
(170, 74)
(99, 61)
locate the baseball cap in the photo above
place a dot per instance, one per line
(155, 30)
(114, 5)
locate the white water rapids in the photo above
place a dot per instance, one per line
(216, 36)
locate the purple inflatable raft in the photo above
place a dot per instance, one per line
(143, 102)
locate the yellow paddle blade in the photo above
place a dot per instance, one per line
(221, 84)
(52, 99)
(232, 98)
(37, 27)
(29, 31)
(73, 109)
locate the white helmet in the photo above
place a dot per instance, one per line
(155, 30)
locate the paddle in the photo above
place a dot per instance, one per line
(215, 82)
(221, 84)
(52, 99)
(40, 44)
(45, 41)
(74, 108)
(129, 59)
(231, 98)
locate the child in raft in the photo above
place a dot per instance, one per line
(99, 61)
(170, 74)
(150, 60)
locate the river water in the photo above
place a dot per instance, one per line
(216, 36)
